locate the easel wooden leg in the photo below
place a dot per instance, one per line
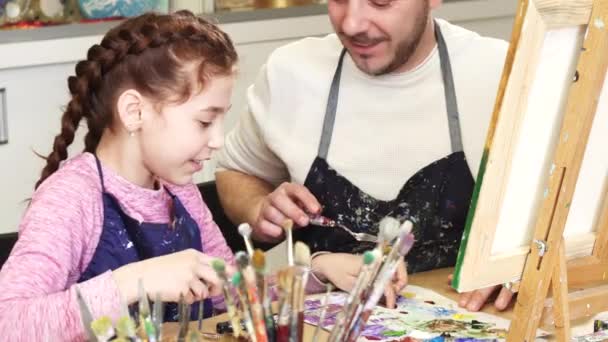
(559, 285)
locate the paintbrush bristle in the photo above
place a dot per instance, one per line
(287, 225)
(242, 259)
(302, 254)
(258, 260)
(245, 230)
(219, 266)
(389, 228)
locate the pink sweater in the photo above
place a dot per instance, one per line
(57, 238)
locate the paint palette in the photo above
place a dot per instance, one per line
(420, 314)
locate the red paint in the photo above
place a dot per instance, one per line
(283, 333)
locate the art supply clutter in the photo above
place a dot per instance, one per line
(248, 296)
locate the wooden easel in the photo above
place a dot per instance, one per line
(547, 265)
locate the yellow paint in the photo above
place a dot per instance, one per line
(463, 316)
(408, 295)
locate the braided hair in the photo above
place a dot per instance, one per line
(152, 53)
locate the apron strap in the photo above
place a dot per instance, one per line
(448, 86)
(103, 187)
(330, 110)
(451, 103)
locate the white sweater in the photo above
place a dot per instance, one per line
(387, 127)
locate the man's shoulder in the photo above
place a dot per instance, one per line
(472, 45)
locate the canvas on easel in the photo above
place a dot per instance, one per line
(524, 132)
(540, 212)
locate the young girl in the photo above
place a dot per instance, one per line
(153, 94)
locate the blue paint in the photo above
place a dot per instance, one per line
(436, 339)
(442, 312)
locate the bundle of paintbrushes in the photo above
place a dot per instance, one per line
(146, 327)
(379, 266)
(251, 317)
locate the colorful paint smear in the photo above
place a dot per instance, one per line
(420, 315)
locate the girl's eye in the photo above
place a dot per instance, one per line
(205, 124)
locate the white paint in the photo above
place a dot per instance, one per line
(599, 23)
(538, 137)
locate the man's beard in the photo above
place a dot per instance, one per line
(405, 49)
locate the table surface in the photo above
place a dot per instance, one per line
(436, 280)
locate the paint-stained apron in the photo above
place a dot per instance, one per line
(436, 199)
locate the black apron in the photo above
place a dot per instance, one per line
(436, 199)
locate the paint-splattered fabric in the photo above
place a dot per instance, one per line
(436, 200)
(125, 240)
(57, 238)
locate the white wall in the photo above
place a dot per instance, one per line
(34, 75)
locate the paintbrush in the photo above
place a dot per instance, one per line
(184, 319)
(103, 329)
(403, 245)
(302, 261)
(200, 314)
(288, 227)
(145, 319)
(85, 315)
(257, 314)
(353, 300)
(389, 229)
(157, 316)
(258, 261)
(245, 231)
(324, 306)
(321, 221)
(126, 329)
(286, 280)
(220, 268)
(238, 283)
(125, 326)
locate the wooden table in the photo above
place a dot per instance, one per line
(436, 280)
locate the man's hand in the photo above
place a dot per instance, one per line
(475, 300)
(288, 201)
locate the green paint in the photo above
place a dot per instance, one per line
(470, 216)
(568, 205)
(394, 333)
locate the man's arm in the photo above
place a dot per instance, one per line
(249, 171)
(241, 195)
